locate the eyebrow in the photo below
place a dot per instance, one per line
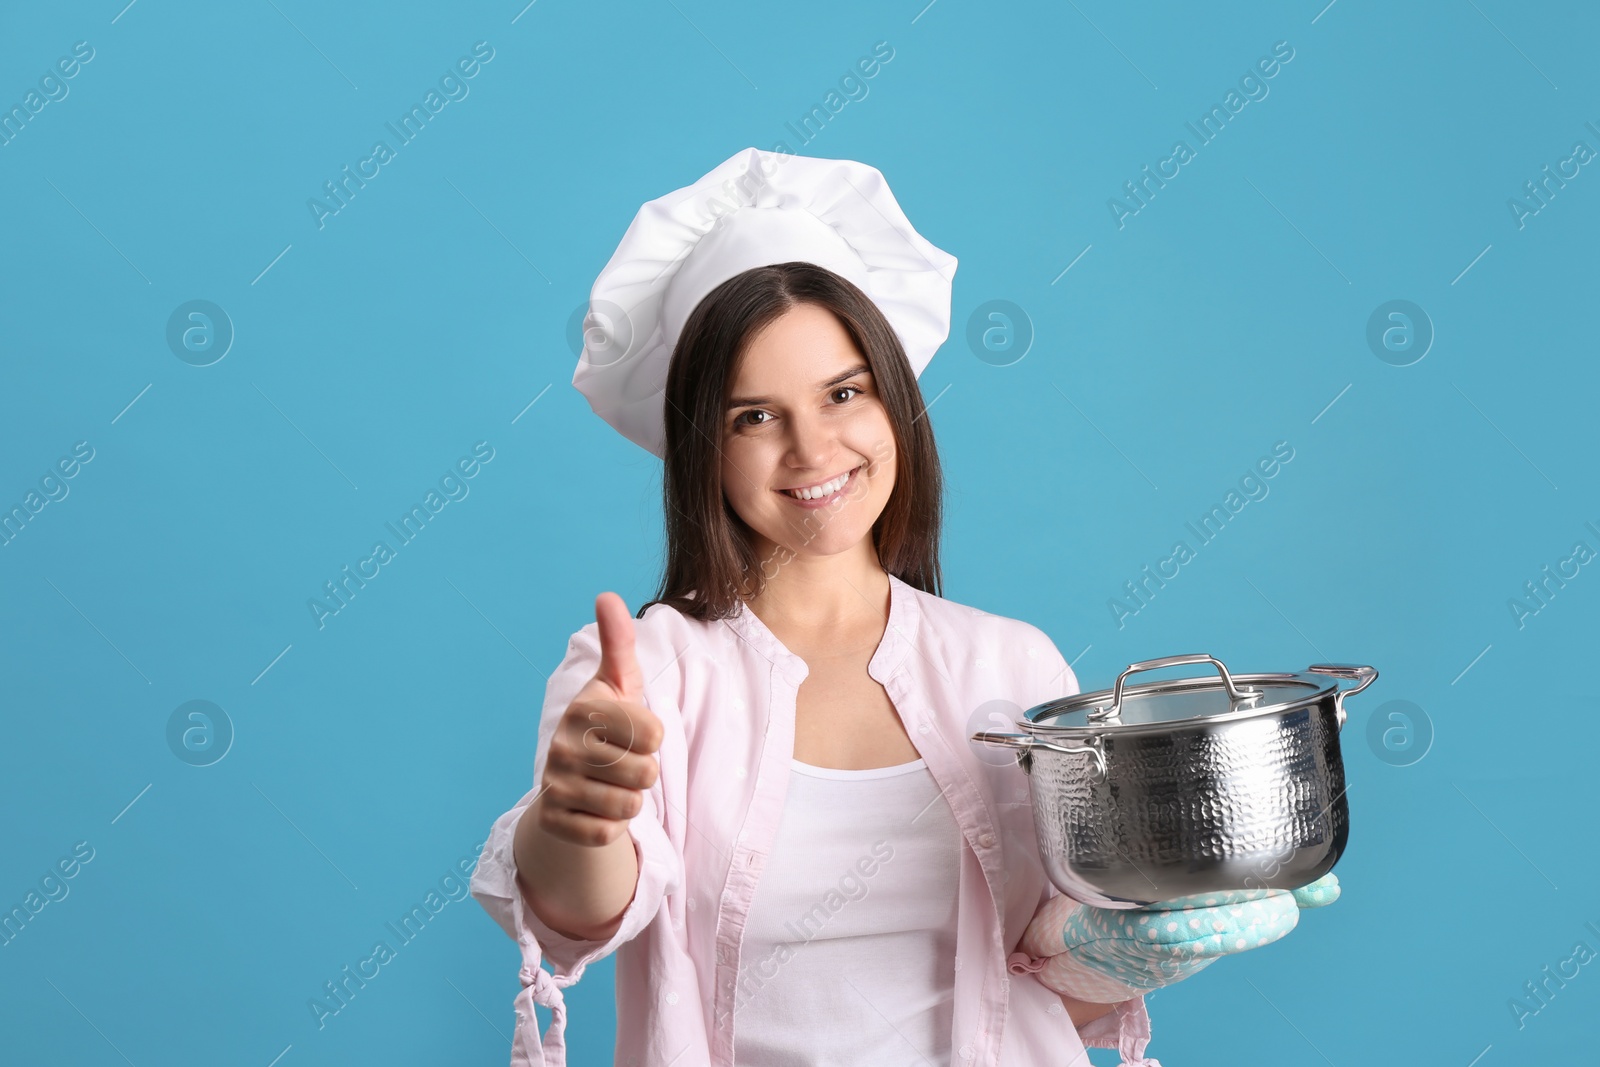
(756, 401)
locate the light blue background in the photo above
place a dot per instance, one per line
(1227, 315)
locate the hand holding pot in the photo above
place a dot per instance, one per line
(1106, 956)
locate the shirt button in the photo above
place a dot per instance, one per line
(986, 839)
(923, 728)
(967, 1052)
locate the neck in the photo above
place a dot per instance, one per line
(819, 594)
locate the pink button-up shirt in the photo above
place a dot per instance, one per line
(725, 694)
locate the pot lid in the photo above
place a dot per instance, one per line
(1127, 707)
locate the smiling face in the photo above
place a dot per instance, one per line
(805, 415)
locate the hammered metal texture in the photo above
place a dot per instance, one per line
(1251, 804)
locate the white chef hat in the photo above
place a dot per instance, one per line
(754, 209)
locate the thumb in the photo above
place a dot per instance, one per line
(1323, 891)
(619, 668)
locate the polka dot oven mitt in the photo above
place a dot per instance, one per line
(1105, 956)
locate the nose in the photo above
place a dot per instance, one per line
(811, 442)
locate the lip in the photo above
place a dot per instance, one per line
(826, 500)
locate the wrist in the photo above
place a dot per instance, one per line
(579, 891)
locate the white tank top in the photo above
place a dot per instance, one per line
(848, 955)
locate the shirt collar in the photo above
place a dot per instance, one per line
(901, 630)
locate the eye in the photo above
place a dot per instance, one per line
(744, 419)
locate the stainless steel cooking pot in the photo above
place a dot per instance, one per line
(1162, 789)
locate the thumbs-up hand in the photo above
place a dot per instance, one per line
(601, 758)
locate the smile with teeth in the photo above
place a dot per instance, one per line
(824, 489)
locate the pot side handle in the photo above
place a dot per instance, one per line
(1351, 672)
(1026, 742)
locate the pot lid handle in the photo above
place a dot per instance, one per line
(1114, 712)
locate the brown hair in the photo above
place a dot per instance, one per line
(711, 556)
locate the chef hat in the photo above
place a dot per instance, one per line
(756, 208)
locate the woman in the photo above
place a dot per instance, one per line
(761, 796)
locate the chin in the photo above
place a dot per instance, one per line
(829, 541)
(824, 546)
